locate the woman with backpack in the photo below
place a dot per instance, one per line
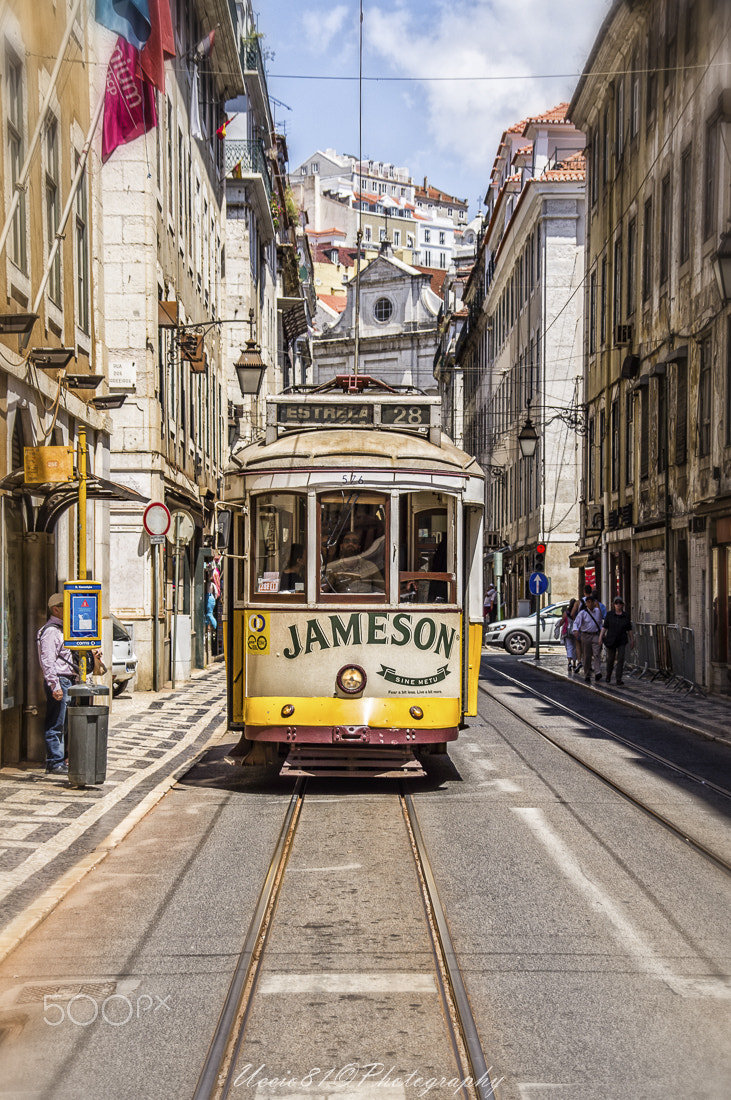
(564, 630)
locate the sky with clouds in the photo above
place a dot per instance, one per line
(442, 78)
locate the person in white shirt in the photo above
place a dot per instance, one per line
(588, 625)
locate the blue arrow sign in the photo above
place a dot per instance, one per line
(538, 583)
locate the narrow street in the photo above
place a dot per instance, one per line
(593, 942)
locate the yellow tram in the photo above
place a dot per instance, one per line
(353, 583)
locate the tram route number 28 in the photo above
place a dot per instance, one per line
(412, 415)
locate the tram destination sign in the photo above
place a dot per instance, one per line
(406, 416)
(324, 414)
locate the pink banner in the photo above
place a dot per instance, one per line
(129, 102)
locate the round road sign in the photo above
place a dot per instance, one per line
(156, 519)
(182, 528)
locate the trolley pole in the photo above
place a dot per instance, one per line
(82, 523)
(176, 553)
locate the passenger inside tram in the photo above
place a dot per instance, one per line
(293, 578)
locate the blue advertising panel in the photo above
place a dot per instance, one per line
(82, 614)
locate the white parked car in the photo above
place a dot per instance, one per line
(519, 635)
(124, 658)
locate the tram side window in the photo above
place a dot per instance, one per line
(352, 534)
(279, 545)
(427, 549)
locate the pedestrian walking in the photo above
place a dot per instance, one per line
(564, 631)
(489, 606)
(616, 632)
(59, 672)
(589, 591)
(212, 596)
(588, 624)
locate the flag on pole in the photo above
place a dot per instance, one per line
(205, 46)
(129, 101)
(236, 170)
(221, 131)
(159, 45)
(129, 18)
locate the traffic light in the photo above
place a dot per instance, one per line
(540, 558)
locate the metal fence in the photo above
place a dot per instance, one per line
(667, 652)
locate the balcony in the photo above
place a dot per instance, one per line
(255, 78)
(246, 161)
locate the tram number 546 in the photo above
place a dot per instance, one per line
(353, 479)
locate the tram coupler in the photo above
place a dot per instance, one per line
(351, 733)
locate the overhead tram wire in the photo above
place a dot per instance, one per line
(359, 234)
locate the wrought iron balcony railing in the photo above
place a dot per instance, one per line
(246, 158)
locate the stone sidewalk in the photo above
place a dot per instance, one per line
(51, 834)
(707, 716)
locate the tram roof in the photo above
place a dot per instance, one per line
(326, 449)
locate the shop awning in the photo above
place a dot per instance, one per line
(59, 497)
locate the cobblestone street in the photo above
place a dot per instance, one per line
(46, 826)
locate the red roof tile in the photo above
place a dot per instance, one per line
(572, 169)
(337, 302)
(438, 275)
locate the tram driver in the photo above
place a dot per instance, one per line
(351, 571)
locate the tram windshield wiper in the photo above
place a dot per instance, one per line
(344, 519)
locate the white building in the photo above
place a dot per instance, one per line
(520, 349)
(397, 327)
(382, 200)
(164, 220)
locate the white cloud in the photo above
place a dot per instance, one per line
(322, 26)
(521, 42)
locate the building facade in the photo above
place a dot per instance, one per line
(397, 327)
(655, 103)
(163, 201)
(518, 354)
(50, 372)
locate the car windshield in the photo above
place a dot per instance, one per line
(119, 633)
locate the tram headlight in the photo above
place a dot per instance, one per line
(351, 679)
(416, 712)
(287, 710)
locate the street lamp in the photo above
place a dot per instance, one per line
(528, 439)
(250, 366)
(721, 260)
(251, 369)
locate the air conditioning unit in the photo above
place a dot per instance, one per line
(622, 336)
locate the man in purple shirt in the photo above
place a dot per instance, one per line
(57, 664)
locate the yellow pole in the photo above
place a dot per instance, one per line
(82, 521)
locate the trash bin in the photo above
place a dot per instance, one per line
(88, 728)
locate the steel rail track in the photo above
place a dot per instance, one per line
(217, 1076)
(215, 1080)
(616, 736)
(457, 1009)
(697, 845)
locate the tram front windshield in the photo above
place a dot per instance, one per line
(354, 551)
(352, 531)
